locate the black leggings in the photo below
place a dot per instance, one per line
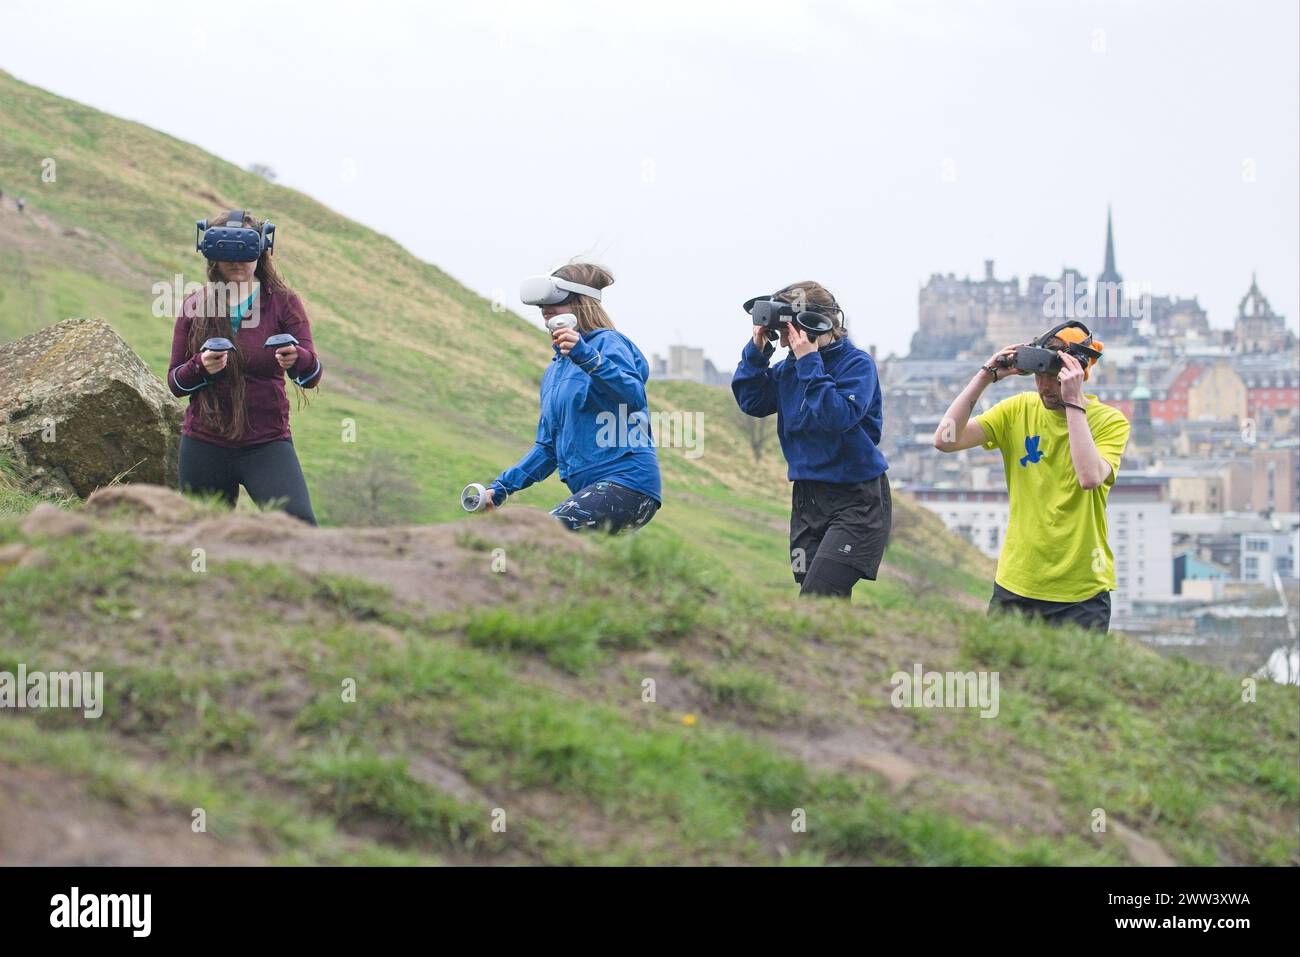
(270, 472)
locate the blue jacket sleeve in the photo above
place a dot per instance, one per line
(613, 371)
(535, 466)
(833, 404)
(753, 385)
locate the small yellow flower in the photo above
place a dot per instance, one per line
(688, 720)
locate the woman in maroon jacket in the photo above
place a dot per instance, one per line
(236, 429)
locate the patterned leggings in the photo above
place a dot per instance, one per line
(607, 507)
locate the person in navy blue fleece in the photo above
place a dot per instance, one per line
(594, 423)
(829, 415)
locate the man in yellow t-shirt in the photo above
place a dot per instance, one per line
(1060, 450)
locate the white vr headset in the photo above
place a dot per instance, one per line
(549, 290)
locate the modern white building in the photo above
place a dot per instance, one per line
(1264, 553)
(1138, 532)
(1137, 528)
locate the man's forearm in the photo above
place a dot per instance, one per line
(959, 413)
(1090, 468)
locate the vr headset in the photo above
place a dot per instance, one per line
(771, 313)
(1036, 358)
(234, 242)
(552, 290)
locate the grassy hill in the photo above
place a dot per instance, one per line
(483, 690)
(412, 357)
(522, 690)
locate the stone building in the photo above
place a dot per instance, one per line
(1218, 394)
(1257, 328)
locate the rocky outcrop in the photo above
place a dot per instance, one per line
(79, 409)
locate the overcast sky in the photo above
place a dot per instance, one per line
(711, 151)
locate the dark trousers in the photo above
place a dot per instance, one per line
(605, 506)
(838, 534)
(1091, 614)
(269, 471)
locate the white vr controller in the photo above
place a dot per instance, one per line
(565, 320)
(474, 497)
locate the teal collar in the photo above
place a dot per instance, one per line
(242, 310)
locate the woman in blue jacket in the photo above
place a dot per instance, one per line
(826, 396)
(594, 424)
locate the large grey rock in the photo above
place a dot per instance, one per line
(78, 408)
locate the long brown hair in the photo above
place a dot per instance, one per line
(210, 318)
(589, 312)
(815, 294)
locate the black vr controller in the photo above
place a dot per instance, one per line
(772, 313)
(278, 340)
(1035, 357)
(218, 344)
(233, 242)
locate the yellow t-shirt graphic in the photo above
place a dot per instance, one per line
(1055, 547)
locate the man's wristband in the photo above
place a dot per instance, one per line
(991, 370)
(1071, 405)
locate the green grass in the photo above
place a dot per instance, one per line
(254, 722)
(15, 499)
(198, 706)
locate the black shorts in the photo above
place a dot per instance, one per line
(847, 524)
(1091, 614)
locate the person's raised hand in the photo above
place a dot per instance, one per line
(760, 338)
(213, 362)
(1008, 353)
(287, 356)
(800, 344)
(1071, 379)
(566, 339)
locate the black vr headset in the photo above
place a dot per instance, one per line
(1037, 358)
(233, 242)
(771, 313)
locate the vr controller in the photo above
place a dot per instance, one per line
(565, 320)
(233, 242)
(218, 344)
(772, 313)
(474, 497)
(280, 339)
(1036, 358)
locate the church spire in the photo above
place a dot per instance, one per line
(1108, 290)
(1109, 272)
